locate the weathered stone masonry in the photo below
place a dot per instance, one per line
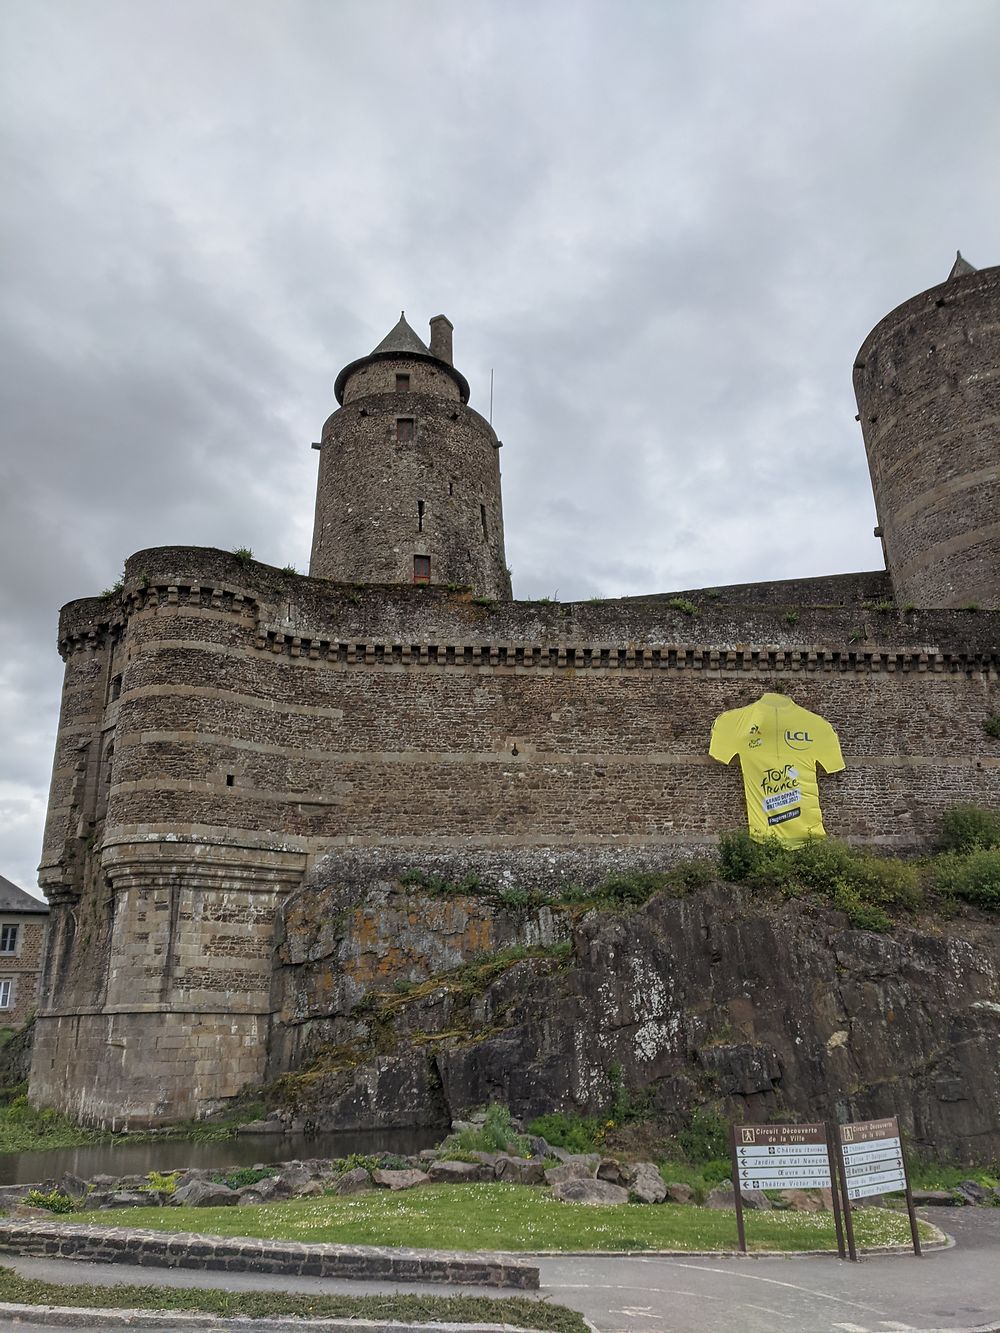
(230, 732)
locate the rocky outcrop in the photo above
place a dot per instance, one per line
(404, 1009)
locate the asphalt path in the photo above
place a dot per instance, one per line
(954, 1289)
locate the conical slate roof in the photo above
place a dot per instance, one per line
(13, 899)
(961, 267)
(401, 339)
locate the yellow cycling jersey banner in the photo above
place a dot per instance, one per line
(779, 745)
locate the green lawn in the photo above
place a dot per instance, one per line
(506, 1217)
(516, 1312)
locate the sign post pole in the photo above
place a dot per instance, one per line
(870, 1153)
(782, 1157)
(740, 1228)
(835, 1195)
(852, 1248)
(914, 1232)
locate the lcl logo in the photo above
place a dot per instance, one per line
(798, 740)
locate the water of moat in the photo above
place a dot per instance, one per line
(127, 1159)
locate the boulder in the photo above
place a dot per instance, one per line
(353, 1182)
(261, 1127)
(678, 1193)
(128, 1199)
(560, 1154)
(574, 1169)
(972, 1192)
(935, 1199)
(262, 1191)
(645, 1182)
(519, 1170)
(458, 1173)
(76, 1188)
(297, 1180)
(724, 1196)
(202, 1194)
(400, 1180)
(613, 1172)
(581, 1189)
(428, 1154)
(800, 1201)
(489, 1159)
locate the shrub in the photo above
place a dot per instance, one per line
(737, 856)
(705, 1138)
(992, 726)
(243, 554)
(861, 885)
(695, 874)
(496, 1134)
(974, 876)
(626, 1103)
(965, 827)
(161, 1184)
(684, 605)
(566, 1129)
(236, 1179)
(55, 1201)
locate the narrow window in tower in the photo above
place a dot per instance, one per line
(402, 384)
(482, 519)
(420, 515)
(421, 569)
(404, 428)
(451, 488)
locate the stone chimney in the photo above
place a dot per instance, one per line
(441, 331)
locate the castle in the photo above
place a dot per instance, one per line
(234, 734)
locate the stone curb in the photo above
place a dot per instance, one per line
(73, 1316)
(238, 1254)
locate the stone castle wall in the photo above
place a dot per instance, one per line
(230, 731)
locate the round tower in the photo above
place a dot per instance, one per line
(409, 474)
(927, 381)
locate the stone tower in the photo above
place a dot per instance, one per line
(928, 390)
(409, 474)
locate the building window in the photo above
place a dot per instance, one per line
(404, 428)
(116, 688)
(420, 515)
(402, 384)
(6, 994)
(482, 519)
(8, 939)
(421, 569)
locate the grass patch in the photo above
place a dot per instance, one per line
(506, 1217)
(926, 1175)
(25, 1128)
(517, 1312)
(617, 892)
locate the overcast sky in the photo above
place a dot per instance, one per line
(666, 226)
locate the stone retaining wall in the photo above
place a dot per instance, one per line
(185, 1249)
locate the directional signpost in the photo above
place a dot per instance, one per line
(781, 1157)
(870, 1158)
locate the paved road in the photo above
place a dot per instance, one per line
(946, 1289)
(950, 1289)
